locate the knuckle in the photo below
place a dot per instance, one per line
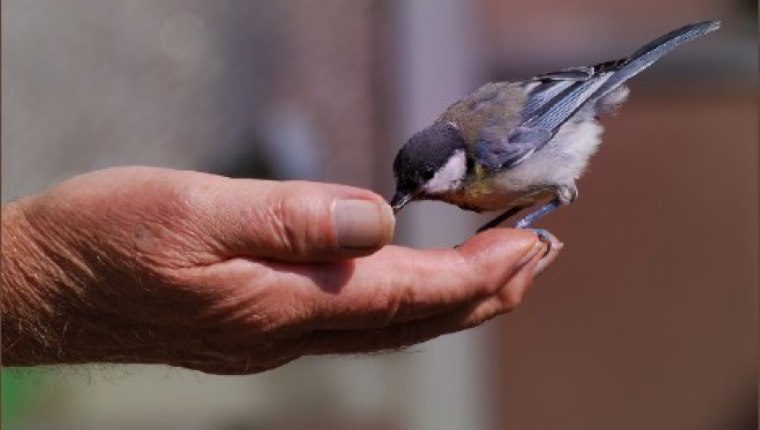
(384, 306)
(166, 213)
(295, 220)
(511, 296)
(480, 285)
(479, 282)
(405, 300)
(395, 302)
(172, 200)
(278, 220)
(381, 307)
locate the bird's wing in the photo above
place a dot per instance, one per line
(552, 99)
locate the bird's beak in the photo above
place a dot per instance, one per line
(400, 199)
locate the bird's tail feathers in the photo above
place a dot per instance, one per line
(651, 52)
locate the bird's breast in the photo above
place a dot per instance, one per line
(492, 194)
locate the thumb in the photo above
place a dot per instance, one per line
(302, 221)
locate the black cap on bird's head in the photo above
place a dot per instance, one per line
(422, 157)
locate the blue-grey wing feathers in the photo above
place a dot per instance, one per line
(557, 96)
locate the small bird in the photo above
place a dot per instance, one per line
(511, 145)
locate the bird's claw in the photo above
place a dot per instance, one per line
(544, 236)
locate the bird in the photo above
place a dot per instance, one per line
(509, 146)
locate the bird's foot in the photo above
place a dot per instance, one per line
(552, 244)
(547, 238)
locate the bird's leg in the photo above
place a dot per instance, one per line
(543, 235)
(565, 196)
(527, 220)
(501, 218)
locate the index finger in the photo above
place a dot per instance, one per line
(395, 284)
(400, 284)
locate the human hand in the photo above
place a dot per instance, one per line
(145, 265)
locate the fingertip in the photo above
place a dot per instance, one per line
(362, 225)
(548, 257)
(497, 255)
(389, 221)
(362, 221)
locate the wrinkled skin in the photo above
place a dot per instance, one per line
(144, 265)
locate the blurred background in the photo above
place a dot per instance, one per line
(647, 321)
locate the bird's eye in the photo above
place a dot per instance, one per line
(428, 173)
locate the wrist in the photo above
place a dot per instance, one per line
(36, 288)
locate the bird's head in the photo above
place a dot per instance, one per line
(431, 164)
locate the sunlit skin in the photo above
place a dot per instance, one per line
(145, 265)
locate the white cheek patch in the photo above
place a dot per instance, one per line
(450, 176)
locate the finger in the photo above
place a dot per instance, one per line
(413, 332)
(299, 221)
(396, 284)
(425, 283)
(248, 357)
(554, 248)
